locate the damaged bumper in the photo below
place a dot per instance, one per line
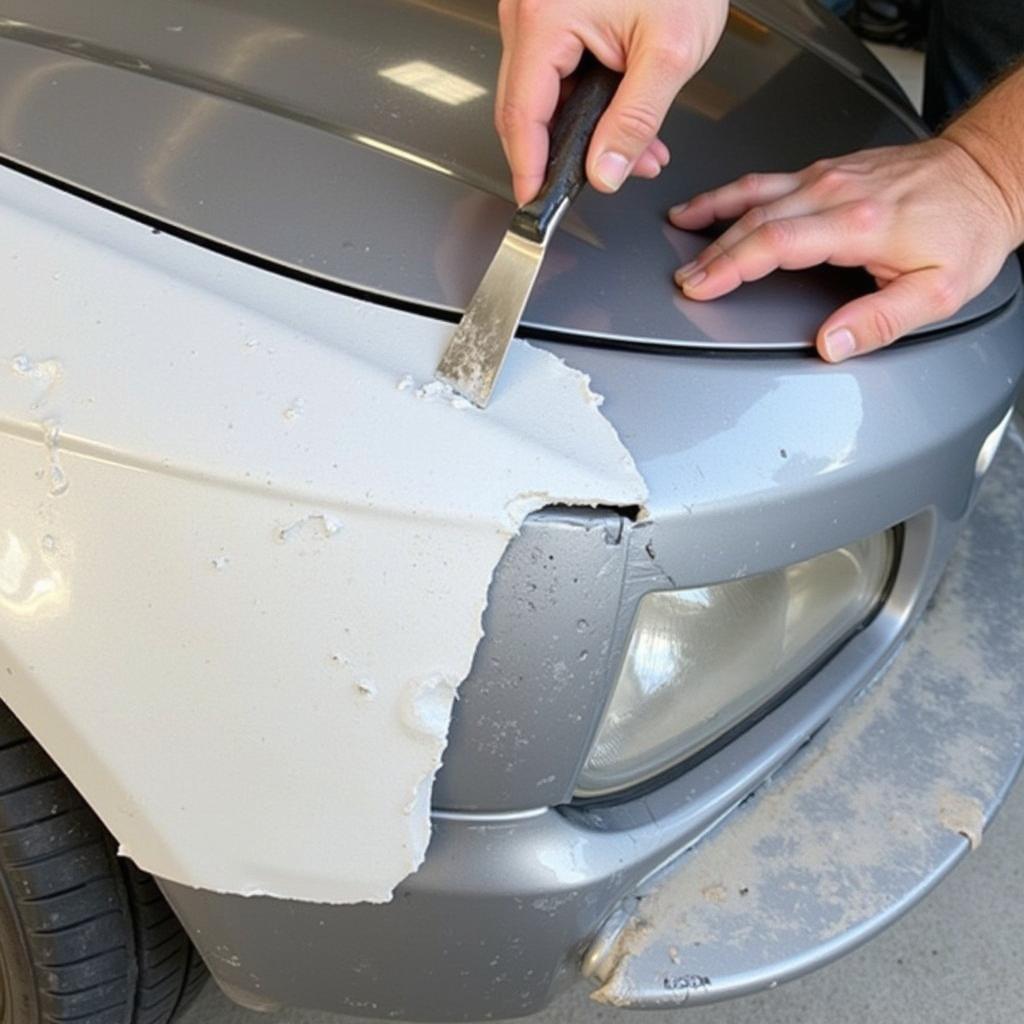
(867, 818)
(699, 890)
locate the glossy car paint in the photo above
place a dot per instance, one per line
(753, 461)
(280, 129)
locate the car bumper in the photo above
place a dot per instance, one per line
(864, 821)
(662, 901)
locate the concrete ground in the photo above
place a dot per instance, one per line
(956, 957)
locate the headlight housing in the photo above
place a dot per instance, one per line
(701, 661)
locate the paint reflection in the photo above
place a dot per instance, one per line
(30, 584)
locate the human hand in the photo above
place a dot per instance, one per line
(925, 220)
(659, 44)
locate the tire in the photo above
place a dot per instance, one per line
(85, 936)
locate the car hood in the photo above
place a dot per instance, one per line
(353, 141)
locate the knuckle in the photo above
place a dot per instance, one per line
(638, 121)
(945, 296)
(511, 117)
(671, 59)
(832, 179)
(750, 184)
(777, 235)
(819, 167)
(752, 219)
(865, 215)
(886, 325)
(528, 12)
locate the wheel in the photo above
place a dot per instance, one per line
(84, 935)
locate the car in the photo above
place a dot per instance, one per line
(748, 682)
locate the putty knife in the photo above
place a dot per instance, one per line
(474, 356)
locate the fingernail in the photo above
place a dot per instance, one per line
(690, 267)
(676, 210)
(612, 169)
(693, 280)
(840, 344)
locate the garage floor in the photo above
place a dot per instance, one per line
(956, 957)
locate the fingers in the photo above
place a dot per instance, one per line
(533, 66)
(660, 152)
(801, 203)
(904, 305)
(789, 243)
(630, 125)
(653, 161)
(733, 200)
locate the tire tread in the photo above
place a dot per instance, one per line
(105, 946)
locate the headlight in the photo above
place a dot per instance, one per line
(701, 661)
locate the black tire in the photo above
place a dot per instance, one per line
(84, 935)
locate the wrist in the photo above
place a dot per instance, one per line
(990, 162)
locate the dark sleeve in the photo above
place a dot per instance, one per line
(970, 43)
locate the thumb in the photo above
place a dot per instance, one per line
(630, 125)
(905, 304)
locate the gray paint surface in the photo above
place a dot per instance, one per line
(755, 463)
(890, 796)
(954, 958)
(274, 128)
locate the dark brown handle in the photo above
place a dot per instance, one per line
(571, 133)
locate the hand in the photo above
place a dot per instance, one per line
(925, 220)
(659, 44)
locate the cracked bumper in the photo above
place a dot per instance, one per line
(865, 819)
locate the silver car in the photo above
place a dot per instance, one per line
(710, 740)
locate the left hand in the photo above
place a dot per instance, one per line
(925, 220)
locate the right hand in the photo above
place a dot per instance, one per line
(658, 44)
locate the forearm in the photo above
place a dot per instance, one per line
(992, 132)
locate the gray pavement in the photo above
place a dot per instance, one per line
(957, 957)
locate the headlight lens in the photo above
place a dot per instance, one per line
(701, 661)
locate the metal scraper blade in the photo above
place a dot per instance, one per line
(474, 356)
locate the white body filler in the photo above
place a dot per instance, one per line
(241, 570)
